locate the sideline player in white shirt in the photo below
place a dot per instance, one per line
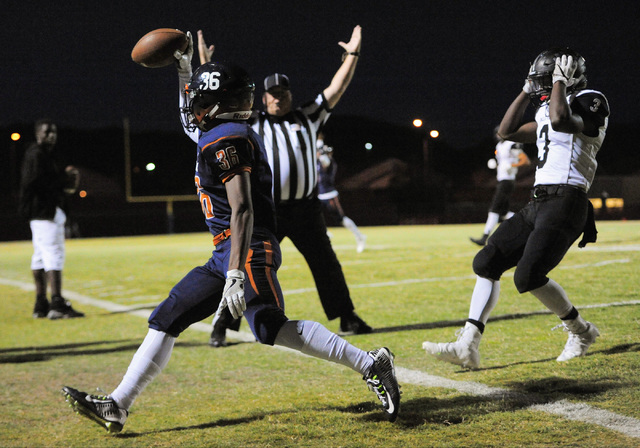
(569, 128)
(509, 157)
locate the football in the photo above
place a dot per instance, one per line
(156, 48)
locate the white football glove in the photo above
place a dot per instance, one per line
(528, 85)
(183, 60)
(564, 70)
(233, 294)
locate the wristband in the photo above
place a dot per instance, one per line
(350, 53)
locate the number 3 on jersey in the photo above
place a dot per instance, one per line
(544, 132)
(205, 200)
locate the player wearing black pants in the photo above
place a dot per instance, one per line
(569, 128)
(290, 140)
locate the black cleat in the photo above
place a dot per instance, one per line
(62, 309)
(381, 379)
(101, 409)
(41, 307)
(223, 322)
(482, 241)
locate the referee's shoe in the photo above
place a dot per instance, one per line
(351, 323)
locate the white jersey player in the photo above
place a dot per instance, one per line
(569, 130)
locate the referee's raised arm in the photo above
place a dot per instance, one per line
(343, 76)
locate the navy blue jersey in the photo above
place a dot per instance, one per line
(226, 150)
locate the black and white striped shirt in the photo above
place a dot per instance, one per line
(290, 142)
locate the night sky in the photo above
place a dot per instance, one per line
(455, 64)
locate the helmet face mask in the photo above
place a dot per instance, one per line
(541, 74)
(217, 90)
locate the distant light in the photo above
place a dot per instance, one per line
(82, 194)
(150, 166)
(417, 122)
(15, 136)
(434, 134)
(368, 146)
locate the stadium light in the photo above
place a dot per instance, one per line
(368, 146)
(417, 123)
(434, 133)
(15, 136)
(150, 166)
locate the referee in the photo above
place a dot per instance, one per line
(290, 140)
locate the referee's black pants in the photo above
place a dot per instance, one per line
(303, 222)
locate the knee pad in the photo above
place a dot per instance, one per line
(484, 263)
(526, 279)
(265, 322)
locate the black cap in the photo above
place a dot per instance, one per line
(276, 80)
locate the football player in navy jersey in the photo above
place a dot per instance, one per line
(233, 180)
(569, 128)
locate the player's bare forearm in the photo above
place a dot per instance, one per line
(562, 119)
(510, 127)
(241, 222)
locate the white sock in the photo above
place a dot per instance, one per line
(554, 297)
(313, 339)
(152, 356)
(508, 215)
(349, 224)
(484, 298)
(492, 221)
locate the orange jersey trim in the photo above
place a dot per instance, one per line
(234, 172)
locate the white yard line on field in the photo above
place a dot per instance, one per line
(573, 411)
(448, 279)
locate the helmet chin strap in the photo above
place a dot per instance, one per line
(211, 113)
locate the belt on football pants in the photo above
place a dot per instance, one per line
(220, 237)
(544, 191)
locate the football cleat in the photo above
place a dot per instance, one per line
(41, 307)
(578, 343)
(62, 309)
(101, 409)
(482, 241)
(464, 352)
(381, 379)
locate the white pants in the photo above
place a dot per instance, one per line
(48, 242)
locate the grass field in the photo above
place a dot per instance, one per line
(412, 284)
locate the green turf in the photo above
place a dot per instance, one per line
(408, 284)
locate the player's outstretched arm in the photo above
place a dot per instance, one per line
(343, 76)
